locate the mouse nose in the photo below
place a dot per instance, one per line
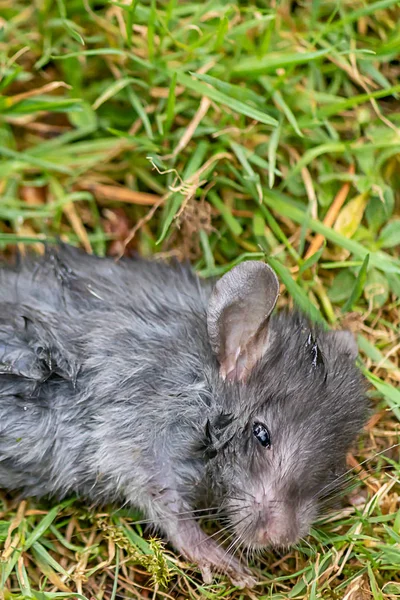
(263, 537)
(276, 530)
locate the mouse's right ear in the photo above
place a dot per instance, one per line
(237, 317)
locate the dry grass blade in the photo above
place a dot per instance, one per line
(331, 214)
(191, 128)
(114, 193)
(49, 87)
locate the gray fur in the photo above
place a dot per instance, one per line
(109, 389)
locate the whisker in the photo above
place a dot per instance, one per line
(192, 514)
(228, 550)
(349, 485)
(161, 519)
(356, 467)
(214, 534)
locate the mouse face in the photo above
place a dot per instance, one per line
(286, 434)
(285, 425)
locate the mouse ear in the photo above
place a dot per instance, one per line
(345, 342)
(237, 317)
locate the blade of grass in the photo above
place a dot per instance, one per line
(312, 260)
(390, 393)
(272, 148)
(358, 286)
(170, 105)
(41, 528)
(219, 97)
(20, 159)
(297, 293)
(229, 219)
(286, 207)
(252, 67)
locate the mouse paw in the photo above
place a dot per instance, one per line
(211, 558)
(216, 560)
(242, 579)
(206, 572)
(240, 576)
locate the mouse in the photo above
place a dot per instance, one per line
(137, 382)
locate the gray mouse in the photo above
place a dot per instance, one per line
(137, 382)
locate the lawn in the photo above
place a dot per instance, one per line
(215, 131)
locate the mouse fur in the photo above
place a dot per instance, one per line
(137, 382)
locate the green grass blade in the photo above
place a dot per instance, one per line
(252, 67)
(235, 105)
(297, 293)
(358, 286)
(41, 528)
(229, 219)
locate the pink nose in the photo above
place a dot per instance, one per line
(263, 537)
(275, 534)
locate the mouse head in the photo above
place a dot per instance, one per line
(289, 403)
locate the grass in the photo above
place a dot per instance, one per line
(215, 131)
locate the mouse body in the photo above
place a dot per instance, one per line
(139, 383)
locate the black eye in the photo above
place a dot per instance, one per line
(262, 434)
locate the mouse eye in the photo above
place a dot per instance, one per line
(262, 434)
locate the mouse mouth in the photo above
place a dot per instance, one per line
(267, 539)
(272, 536)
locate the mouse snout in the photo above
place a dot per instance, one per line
(274, 518)
(273, 522)
(277, 528)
